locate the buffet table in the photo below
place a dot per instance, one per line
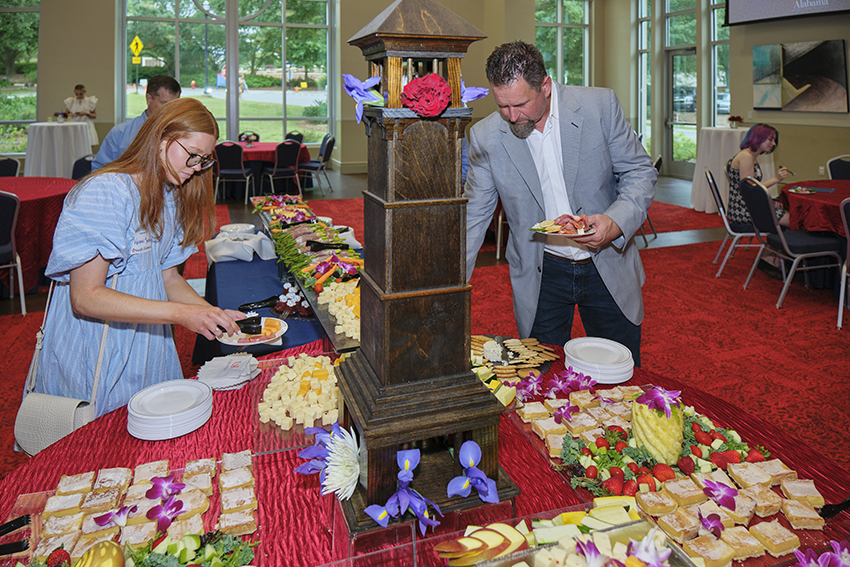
(715, 147)
(41, 204)
(298, 527)
(819, 211)
(52, 148)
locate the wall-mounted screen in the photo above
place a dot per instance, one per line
(748, 11)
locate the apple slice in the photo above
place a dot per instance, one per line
(459, 547)
(496, 543)
(517, 540)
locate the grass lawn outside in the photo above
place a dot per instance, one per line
(268, 130)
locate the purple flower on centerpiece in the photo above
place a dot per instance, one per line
(318, 452)
(362, 92)
(164, 513)
(163, 487)
(711, 523)
(721, 493)
(660, 399)
(379, 514)
(646, 551)
(118, 518)
(469, 456)
(468, 94)
(566, 411)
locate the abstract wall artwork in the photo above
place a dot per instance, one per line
(808, 76)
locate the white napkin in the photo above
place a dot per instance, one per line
(229, 372)
(348, 238)
(227, 247)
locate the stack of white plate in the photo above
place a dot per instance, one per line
(604, 360)
(169, 409)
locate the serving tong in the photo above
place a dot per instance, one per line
(830, 510)
(11, 526)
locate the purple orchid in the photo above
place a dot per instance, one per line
(711, 523)
(163, 487)
(646, 551)
(592, 556)
(566, 411)
(347, 267)
(468, 94)
(118, 518)
(721, 493)
(807, 558)
(469, 456)
(362, 92)
(164, 513)
(529, 387)
(660, 399)
(841, 550)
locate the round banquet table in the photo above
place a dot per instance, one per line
(299, 527)
(261, 152)
(52, 148)
(820, 211)
(715, 147)
(41, 204)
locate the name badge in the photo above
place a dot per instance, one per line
(142, 242)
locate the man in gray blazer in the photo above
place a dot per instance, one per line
(550, 150)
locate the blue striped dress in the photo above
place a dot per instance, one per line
(102, 217)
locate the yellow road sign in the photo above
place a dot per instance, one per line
(136, 46)
(137, 60)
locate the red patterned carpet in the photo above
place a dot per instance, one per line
(787, 365)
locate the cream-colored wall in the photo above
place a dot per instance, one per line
(613, 58)
(500, 20)
(807, 139)
(77, 45)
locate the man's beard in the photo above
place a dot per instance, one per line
(523, 129)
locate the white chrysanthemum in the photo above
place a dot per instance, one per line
(343, 465)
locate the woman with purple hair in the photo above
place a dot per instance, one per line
(761, 139)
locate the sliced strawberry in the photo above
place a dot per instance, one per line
(591, 472)
(696, 451)
(620, 446)
(686, 465)
(616, 471)
(663, 472)
(732, 456)
(630, 487)
(719, 459)
(754, 456)
(717, 435)
(602, 442)
(614, 485)
(703, 438)
(648, 480)
(58, 558)
(633, 467)
(619, 431)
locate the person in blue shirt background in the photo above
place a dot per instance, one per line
(160, 89)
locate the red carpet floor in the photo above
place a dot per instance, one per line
(787, 365)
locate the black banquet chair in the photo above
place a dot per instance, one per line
(318, 165)
(230, 167)
(9, 167)
(285, 164)
(657, 165)
(737, 232)
(797, 246)
(845, 267)
(839, 167)
(9, 257)
(82, 167)
(295, 137)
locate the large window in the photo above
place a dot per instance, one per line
(281, 84)
(18, 76)
(561, 35)
(644, 126)
(720, 64)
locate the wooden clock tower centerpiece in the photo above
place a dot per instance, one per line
(410, 384)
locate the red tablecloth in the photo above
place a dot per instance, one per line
(264, 151)
(299, 527)
(41, 204)
(817, 211)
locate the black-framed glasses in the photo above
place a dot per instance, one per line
(196, 159)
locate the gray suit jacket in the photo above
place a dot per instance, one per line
(606, 170)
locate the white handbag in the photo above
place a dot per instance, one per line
(43, 419)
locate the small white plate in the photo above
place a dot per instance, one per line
(170, 398)
(234, 339)
(595, 350)
(237, 227)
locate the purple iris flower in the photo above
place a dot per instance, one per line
(118, 518)
(165, 513)
(362, 92)
(646, 551)
(660, 399)
(469, 456)
(711, 523)
(721, 493)
(318, 452)
(379, 514)
(468, 94)
(163, 487)
(419, 505)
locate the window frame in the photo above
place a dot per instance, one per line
(560, 27)
(19, 10)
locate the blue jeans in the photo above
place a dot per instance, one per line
(565, 285)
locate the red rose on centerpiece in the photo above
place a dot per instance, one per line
(428, 95)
